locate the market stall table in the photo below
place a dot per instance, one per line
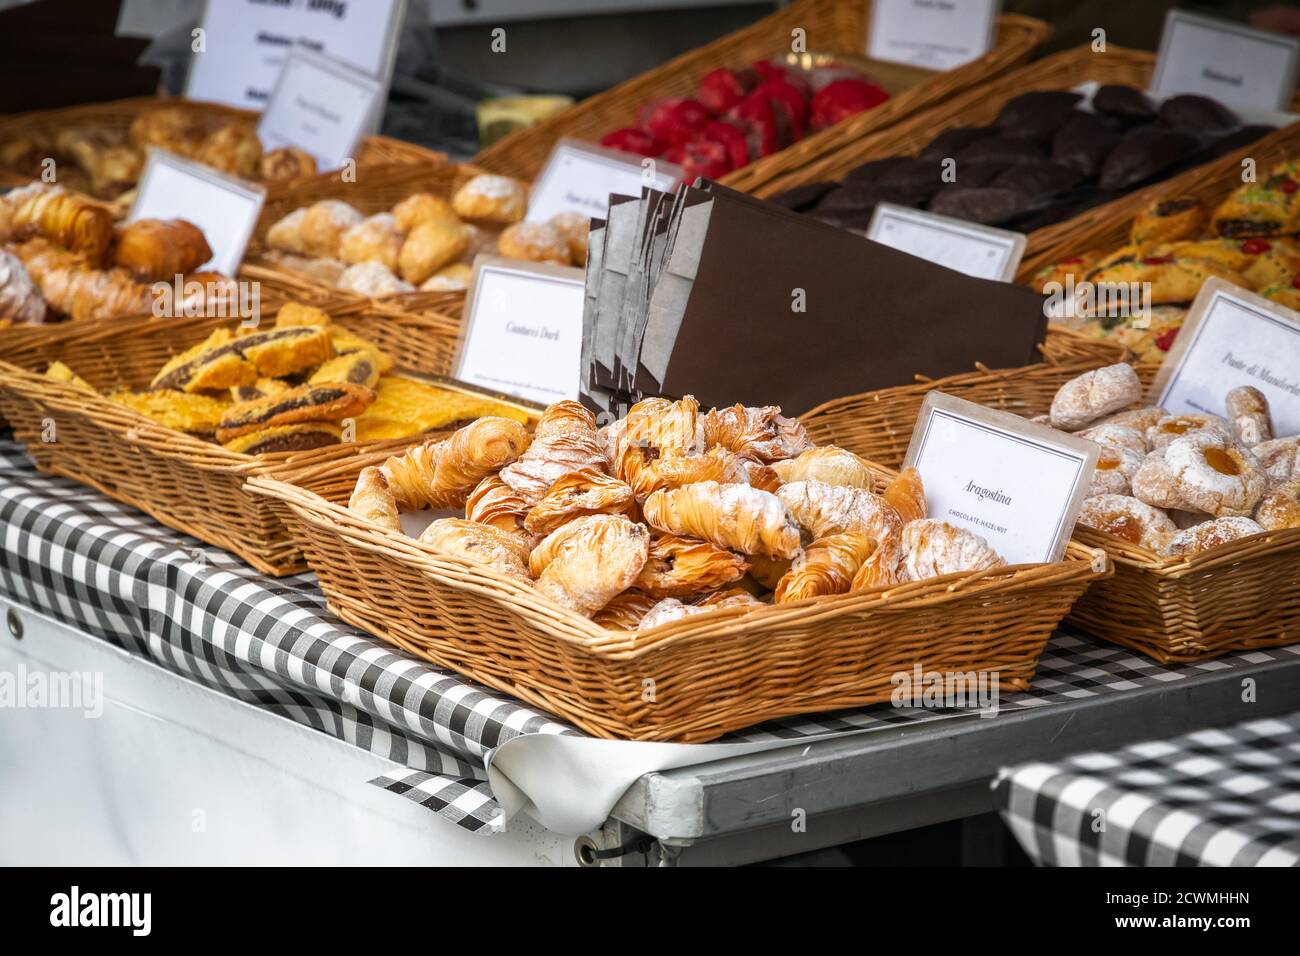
(234, 671)
(1226, 796)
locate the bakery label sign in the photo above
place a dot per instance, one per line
(579, 177)
(246, 43)
(934, 34)
(226, 209)
(965, 247)
(1018, 485)
(1228, 61)
(1232, 337)
(321, 106)
(523, 329)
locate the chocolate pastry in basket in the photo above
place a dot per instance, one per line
(1083, 143)
(307, 403)
(1123, 103)
(285, 438)
(1144, 153)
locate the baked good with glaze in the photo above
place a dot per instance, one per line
(1210, 535)
(1093, 395)
(1128, 518)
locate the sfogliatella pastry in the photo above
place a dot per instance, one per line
(482, 543)
(160, 249)
(568, 506)
(828, 567)
(72, 221)
(20, 300)
(829, 464)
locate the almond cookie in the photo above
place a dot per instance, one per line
(1117, 436)
(1087, 398)
(1249, 416)
(1202, 472)
(1280, 508)
(1116, 467)
(1205, 537)
(1173, 427)
(1137, 418)
(1280, 459)
(1125, 517)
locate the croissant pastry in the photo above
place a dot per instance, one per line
(494, 502)
(768, 572)
(83, 294)
(926, 549)
(736, 517)
(20, 299)
(828, 567)
(827, 463)
(500, 550)
(158, 249)
(679, 566)
(441, 474)
(575, 494)
(760, 434)
(67, 219)
(625, 611)
(372, 499)
(593, 562)
(564, 440)
(825, 510)
(907, 494)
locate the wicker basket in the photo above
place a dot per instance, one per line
(978, 107)
(116, 116)
(878, 425)
(710, 673)
(1240, 596)
(376, 189)
(188, 484)
(830, 26)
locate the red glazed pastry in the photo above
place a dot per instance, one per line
(715, 151)
(722, 89)
(675, 121)
(629, 139)
(785, 96)
(843, 98)
(765, 119)
(775, 70)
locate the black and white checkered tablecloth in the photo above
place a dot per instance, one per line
(1222, 797)
(89, 562)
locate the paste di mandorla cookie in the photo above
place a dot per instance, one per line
(1180, 485)
(668, 513)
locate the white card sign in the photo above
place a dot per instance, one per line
(1227, 61)
(935, 34)
(245, 43)
(223, 207)
(580, 177)
(322, 106)
(966, 247)
(523, 329)
(1018, 485)
(1232, 337)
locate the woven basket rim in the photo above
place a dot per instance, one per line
(1248, 548)
(1082, 562)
